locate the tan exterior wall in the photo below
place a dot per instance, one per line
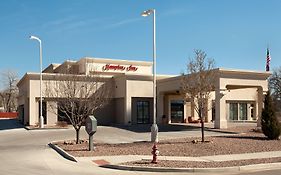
(52, 117)
(119, 110)
(139, 88)
(23, 101)
(120, 87)
(106, 115)
(230, 85)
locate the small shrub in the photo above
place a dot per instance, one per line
(36, 125)
(62, 124)
(270, 125)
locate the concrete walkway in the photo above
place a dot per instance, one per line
(216, 158)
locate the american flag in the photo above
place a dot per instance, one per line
(267, 59)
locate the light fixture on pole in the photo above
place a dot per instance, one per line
(154, 127)
(41, 124)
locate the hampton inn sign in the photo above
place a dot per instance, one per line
(119, 68)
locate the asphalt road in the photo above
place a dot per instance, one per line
(25, 152)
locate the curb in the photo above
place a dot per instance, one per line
(42, 129)
(196, 170)
(162, 169)
(224, 132)
(62, 152)
(265, 166)
(26, 128)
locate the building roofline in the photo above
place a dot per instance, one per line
(241, 71)
(32, 75)
(22, 79)
(55, 65)
(263, 74)
(115, 61)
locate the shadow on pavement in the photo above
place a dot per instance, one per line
(246, 137)
(6, 124)
(140, 128)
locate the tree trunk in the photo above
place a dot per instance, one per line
(202, 129)
(202, 123)
(77, 135)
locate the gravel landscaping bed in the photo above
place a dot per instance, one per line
(248, 142)
(237, 129)
(192, 164)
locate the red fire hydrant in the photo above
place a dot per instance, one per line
(155, 153)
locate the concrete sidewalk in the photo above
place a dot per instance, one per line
(113, 162)
(216, 158)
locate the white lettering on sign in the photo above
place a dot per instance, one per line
(119, 68)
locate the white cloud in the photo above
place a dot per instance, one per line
(70, 23)
(124, 22)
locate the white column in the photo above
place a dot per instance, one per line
(220, 121)
(33, 111)
(227, 111)
(249, 111)
(209, 110)
(52, 117)
(194, 115)
(128, 111)
(169, 109)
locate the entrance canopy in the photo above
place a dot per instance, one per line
(229, 86)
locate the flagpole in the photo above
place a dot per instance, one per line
(267, 68)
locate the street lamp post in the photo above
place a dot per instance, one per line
(154, 127)
(41, 124)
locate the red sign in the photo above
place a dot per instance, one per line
(119, 68)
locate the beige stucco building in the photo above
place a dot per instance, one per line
(238, 94)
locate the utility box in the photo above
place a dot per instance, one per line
(91, 125)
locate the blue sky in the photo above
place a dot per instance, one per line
(233, 32)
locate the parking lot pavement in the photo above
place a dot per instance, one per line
(26, 152)
(109, 134)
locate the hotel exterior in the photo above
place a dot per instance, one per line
(237, 96)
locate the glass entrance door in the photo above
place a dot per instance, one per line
(177, 111)
(143, 112)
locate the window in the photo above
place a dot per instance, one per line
(242, 111)
(238, 111)
(233, 111)
(143, 112)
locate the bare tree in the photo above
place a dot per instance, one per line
(9, 93)
(198, 83)
(78, 96)
(275, 86)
